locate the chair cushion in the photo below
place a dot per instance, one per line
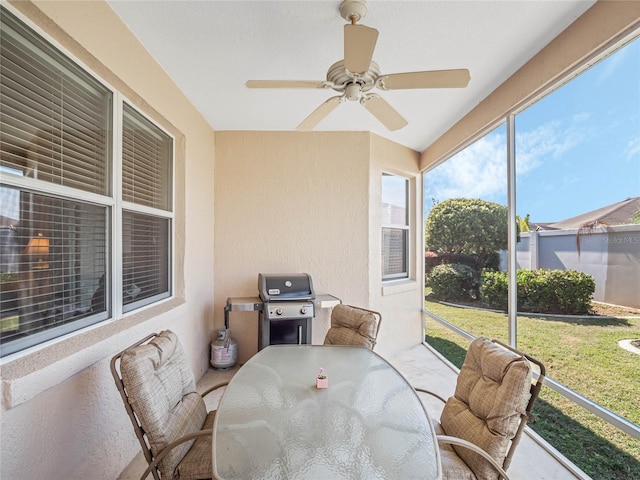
(453, 468)
(196, 464)
(162, 392)
(491, 394)
(352, 326)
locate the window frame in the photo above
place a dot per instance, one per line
(114, 204)
(508, 117)
(391, 226)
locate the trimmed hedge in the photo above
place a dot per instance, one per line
(431, 259)
(566, 292)
(453, 281)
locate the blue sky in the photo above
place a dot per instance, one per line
(577, 149)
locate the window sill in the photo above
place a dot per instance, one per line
(399, 286)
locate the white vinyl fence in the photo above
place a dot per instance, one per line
(611, 255)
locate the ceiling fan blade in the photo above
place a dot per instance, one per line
(318, 114)
(285, 84)
(430, 79)
(359, 44)
(384, 112)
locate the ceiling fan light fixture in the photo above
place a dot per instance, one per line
(353, 92)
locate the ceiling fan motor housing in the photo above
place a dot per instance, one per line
(353, 10)
(341, 80)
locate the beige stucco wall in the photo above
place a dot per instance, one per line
(399, 302)
(308, 202)
(61, 415)
(321, 181)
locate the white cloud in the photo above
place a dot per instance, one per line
(633, 148)
(581, 117)
(480, 171)
(548, 140)
(609, 66)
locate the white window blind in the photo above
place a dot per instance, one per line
(57, 202)
(146, 165)
(145, 261)
(146, 178)
(55, 117)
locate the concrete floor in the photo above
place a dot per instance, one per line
(533, 460)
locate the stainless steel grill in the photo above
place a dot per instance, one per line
(288, 307)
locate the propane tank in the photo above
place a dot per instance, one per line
(224, 350)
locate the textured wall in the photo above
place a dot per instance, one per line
(290, 202)
(62, 417)
(309, 202)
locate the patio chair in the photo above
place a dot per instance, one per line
(481, 424)
(353, 326)
(169, 417)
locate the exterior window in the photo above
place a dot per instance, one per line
(395, 227)
(576, 218)
(58, 204)
(146, 229)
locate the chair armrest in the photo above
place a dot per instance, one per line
(465, 444)
(428, 392)
(214, 387)
(172, 445)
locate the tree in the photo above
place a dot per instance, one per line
(467, 226)
(523, 223)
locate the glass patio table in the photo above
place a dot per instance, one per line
(273, 423)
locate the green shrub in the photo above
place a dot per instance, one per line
(468, 226)
(453, 281)
(8, 277)
(431, 259)
(542, 291)
(494, 289)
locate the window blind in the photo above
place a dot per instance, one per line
(394, 253)
(145, 261)
(146, 162)
(146, 181)
(53, 264)
(55, 127)
(55, 118)
(56, 272)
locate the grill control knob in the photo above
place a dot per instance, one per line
(278, 311)
(303, 310)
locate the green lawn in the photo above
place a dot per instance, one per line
(582, 354)
(9, 324)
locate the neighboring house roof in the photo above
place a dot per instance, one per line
(620, 213)
(7, 222)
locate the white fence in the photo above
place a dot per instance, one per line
(611, 255)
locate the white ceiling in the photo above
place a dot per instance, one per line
(211, 48)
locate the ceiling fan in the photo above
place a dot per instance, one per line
(356, 75)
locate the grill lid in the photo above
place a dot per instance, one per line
(285, 287)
